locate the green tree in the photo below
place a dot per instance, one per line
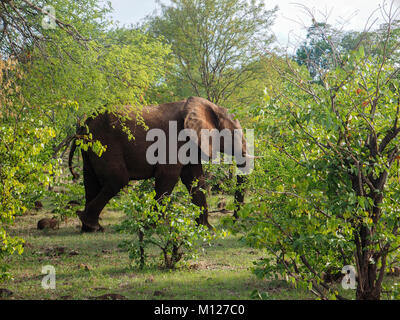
(82, 66)
(103, 75)
(328, 187)
(22, 166)
(71, 80)
(324, 45)
(215, 43)
(316, 50)
(23, 23)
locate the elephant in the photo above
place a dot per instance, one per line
(125, 159)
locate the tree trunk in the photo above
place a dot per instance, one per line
(368, 287)
(368, 293)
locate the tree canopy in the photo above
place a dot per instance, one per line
(215, 43)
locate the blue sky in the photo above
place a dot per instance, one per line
(132, 11)
(291, 20)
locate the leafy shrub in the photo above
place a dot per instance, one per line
(327, 190)
(169, 224)
(23, 169)
(66, 200)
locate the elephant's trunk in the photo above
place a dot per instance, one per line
(245, 168)
(239, 194)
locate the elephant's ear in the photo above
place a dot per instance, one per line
(202, 114)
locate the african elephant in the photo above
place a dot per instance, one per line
(126, 159)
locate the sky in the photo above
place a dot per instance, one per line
(291, 21)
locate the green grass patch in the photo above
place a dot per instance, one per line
(91, 265)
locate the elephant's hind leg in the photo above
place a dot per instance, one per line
(92, 189)
(90, 181)
(90, 217)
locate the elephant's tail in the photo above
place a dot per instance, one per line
(71, 156)
(79, 134)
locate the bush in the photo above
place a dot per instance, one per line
(327, 188)
(67, 199)
(169, 224)
(23, 168)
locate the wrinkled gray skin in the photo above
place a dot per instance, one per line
(125, 159)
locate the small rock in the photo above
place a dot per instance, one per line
(73, 253)
(55, 251)
(85, 267)
(47, 223)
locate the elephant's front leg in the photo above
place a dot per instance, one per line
(191, 174)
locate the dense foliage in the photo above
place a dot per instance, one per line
(215, 44)
(169, 224)
(23, 170)
(52, 79)
(325, 191)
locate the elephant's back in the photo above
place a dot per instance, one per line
(159, 116)
(131, 153)
(154, 116)
(122, 153)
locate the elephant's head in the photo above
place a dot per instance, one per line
(216, 130)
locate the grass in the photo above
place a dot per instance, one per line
(91, 265)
